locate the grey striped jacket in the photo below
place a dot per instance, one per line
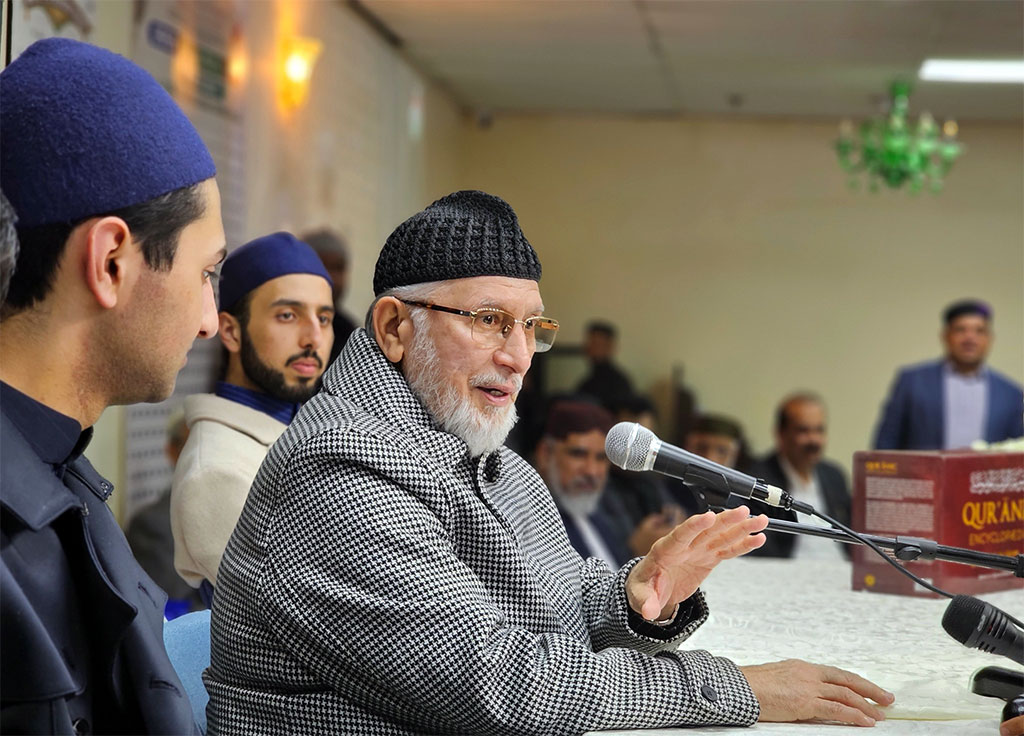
(380, 581)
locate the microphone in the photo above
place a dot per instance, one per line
(980, 625)
(634, 447)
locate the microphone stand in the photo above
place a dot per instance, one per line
(908, 548)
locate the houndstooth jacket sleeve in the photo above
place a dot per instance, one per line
(380, 581)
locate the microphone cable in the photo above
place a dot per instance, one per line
(878, 550)
(808, 509)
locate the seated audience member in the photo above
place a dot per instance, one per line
(334, 253)
(798, 466)
(647, 497)
(120, 231)
(275, 325)
(606, 382)
(641, 494)
(570, 458)
(397, 570)
(952, 402)
(8, 245)
(149, 534)
(717, 438)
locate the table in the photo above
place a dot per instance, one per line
(764, 610)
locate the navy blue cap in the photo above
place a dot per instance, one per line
(258, 261)
(84, 131)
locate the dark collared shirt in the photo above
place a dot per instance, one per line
(82, 630)
(57, 439)
(282, 411)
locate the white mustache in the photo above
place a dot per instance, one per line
(493, 379)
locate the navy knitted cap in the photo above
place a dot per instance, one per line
(263, 259)
(464, 234)
(84, 131)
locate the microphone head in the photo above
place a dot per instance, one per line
(980, 625)
(628, 444)
(962, 616)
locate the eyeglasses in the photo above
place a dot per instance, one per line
(492, 326)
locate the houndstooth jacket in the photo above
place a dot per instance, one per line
(380, 581)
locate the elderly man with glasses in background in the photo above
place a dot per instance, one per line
(397, 570)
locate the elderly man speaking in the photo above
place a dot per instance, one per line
(397, 570)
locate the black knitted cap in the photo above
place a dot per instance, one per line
(462, 235)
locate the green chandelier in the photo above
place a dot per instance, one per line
(892, 150)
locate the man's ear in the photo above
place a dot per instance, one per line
(392, 328)
(112, 259)
(543, 453)
(230, 332)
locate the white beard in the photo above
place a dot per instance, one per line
(483, 430)
(583, 502)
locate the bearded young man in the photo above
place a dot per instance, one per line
(396, 570)
(275, 325)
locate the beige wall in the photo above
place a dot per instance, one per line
(736, 249)
(354, 157)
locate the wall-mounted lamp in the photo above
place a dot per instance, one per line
(185, 65)
(238, 59)
(298, 57)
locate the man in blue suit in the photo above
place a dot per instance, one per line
(950, 403)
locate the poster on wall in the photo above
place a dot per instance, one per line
(32, 20)
(196, 51)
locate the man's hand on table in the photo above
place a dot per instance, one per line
(794, 690)
(680, 561)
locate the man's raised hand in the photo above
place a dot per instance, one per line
(680, 561)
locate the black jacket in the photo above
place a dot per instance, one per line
(81, 625)
(833, 487)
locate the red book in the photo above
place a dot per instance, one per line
(958, 498)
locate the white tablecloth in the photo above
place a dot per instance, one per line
(764, 610)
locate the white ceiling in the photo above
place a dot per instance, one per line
(791, 58)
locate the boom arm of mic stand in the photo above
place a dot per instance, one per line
(909, 548)
(904, 548)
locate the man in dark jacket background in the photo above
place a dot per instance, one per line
(120, 229)
(798, 465)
